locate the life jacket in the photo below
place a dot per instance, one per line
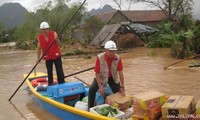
(104, 70)
(54, 51)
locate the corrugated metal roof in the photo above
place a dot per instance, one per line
(139, 28)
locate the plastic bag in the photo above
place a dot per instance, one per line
(101, 99)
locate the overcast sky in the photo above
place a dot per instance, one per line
(31, 5)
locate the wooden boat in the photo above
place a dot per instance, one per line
(58, 108)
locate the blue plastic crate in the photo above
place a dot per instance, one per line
(65, 89)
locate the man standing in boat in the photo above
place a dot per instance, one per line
(53, 55)
(107, 68)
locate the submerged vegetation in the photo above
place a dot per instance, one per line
(178, 32)
(183, 42)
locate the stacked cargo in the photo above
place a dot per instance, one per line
(178, 107)
(148, 103)
(119, 101)
(197, 107)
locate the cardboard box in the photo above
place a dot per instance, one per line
(197, 107)
(119, 101)
(149, 100)
(120, 114)
(151, 113)
(178, 107)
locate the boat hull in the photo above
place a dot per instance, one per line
(59, 109)
(65, 115)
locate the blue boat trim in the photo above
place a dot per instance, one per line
(59, 109)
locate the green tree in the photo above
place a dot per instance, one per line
(1, 31)
(1, 26)
(57, 15)
(44, 11)
(26, 33)
(5, 34)
(91, 28)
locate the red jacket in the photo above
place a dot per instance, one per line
(54, 51)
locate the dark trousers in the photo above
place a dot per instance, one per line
(59, 70)
(94, 88)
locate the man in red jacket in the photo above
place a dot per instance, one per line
(53, 55)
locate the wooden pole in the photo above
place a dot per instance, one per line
(82, 81)
(46, 50)
(79, 72)
(181, 61)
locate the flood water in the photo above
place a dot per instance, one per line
(143, 71)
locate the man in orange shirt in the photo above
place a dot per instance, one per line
(53, 55)
(107, 69)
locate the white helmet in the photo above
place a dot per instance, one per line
(44, 25)
(110, 45)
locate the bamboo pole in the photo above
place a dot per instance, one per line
(82, 81)
(79, 72)
(181, 61)
(46, 51)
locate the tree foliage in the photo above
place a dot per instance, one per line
(1, 26)
(182, 37)
(5, 34)
(56, 14)
(91, 28)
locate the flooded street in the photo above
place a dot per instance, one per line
(143, 71)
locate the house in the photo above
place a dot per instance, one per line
(127, 27)
(122, 34)
(135, 21)
(113, 17)
(145, 17)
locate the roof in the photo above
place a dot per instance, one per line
(140, 28)
(105, 34)
(112, 31)
(135, 15)
(145, 15)
(106, 16)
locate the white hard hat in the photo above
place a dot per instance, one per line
(110, 45)
(44, 25)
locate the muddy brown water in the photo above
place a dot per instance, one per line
(143, 71)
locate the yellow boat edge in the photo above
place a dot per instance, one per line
(61, 105)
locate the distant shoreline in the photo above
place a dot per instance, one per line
(8, 45)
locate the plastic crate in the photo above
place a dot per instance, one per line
(65, 89)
